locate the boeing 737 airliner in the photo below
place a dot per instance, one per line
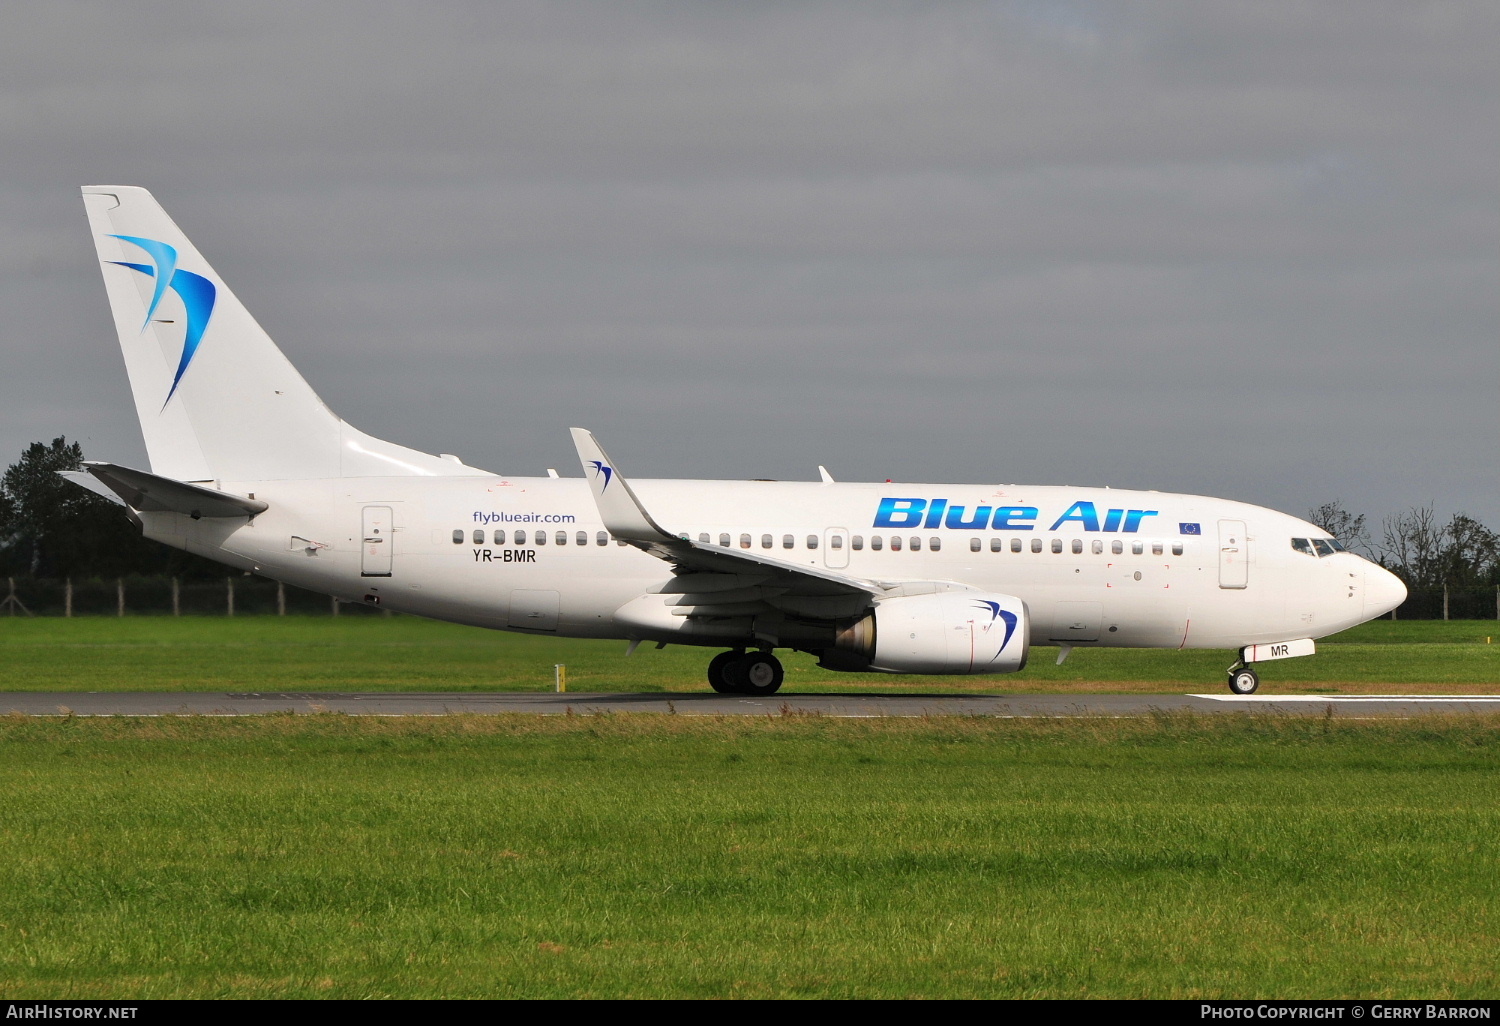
(248, 467)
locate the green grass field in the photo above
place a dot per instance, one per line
(683, 856)
(671, 856)
(410, 654)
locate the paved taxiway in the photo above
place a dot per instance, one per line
(113, 703)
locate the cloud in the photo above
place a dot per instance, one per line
(1239, 249)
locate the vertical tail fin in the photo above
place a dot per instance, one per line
(216, 399)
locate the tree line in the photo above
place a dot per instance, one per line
(51, 528)
(1417, 545)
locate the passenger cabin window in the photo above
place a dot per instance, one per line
(1117, 547)
(1177, 548)
(499, 537)
(540, 538)
(520, 537)
(479, 536)
(1036, 545)
(916, 544)
(1056, 544)
(1137, 548)
(562, 537)
(703, 537)
(895, 543)
(1098, 546)
(975, 545)
(996, 544)
(1077, 546)
(765, 541)
(458, 536)
(724, 540)
(934, 543)
(836, 542)
(875, 542)
(602, 538)
(857, 542)
(744, 541)
(1015, 545)
(1156, 548)
(812, 541)
(788, 541)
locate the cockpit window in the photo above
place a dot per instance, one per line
(1318, 547)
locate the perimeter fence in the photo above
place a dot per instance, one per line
(237, 595)
(242, 595)
(1481, 603)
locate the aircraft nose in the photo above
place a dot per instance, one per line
(1384, 591)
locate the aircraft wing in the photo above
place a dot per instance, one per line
(626, 519)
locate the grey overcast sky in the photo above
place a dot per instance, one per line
(1244, 249)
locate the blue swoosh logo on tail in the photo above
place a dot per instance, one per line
(197, 293)
(166, 265)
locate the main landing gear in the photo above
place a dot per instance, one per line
(1242, 679)
(745, 673)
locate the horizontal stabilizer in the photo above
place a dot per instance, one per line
(83, 479)
(149, 493)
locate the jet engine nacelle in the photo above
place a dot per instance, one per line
(952, 632)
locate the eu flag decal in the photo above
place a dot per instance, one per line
(1189, 529)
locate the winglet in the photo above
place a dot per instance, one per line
(824, 474)
(628, 521)
(622, 513)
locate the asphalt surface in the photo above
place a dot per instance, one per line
(116, 703)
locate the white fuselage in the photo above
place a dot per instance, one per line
(1094, 566)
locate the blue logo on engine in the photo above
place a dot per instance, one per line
(997, 611)
(197, 293)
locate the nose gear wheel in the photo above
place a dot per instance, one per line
(1243, 680)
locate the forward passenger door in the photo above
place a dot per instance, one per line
(1234, 554)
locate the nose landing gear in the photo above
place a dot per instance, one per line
(742, 673)
(1243, 680)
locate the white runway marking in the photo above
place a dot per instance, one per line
(1350, 698)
